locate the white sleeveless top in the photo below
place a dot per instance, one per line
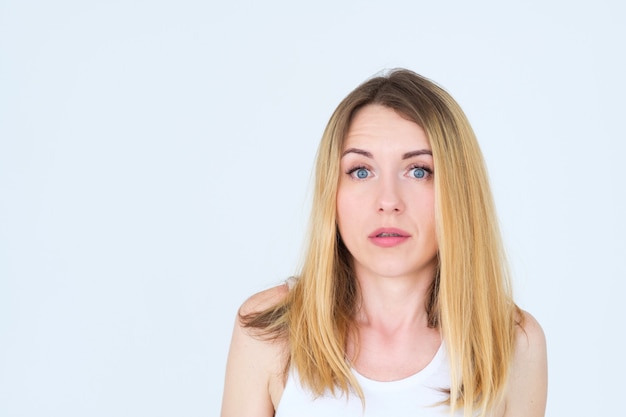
(414, 396)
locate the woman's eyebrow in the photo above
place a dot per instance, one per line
(417, 153)
(369, 154)
(358, 151)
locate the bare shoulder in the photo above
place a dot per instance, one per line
(255, 365)
(530, 338)
(264, 300)
(528, 382)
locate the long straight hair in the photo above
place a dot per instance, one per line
(470, 299)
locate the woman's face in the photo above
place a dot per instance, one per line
(385, 199)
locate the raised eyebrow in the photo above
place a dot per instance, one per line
(369, 154)
(417, 153)
(357, 151)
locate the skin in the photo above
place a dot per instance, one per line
(379, 188)
(389, 151)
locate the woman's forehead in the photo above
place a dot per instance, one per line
(380, 126)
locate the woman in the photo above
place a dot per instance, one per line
(403, 305)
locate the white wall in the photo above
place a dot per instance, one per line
(155, 159)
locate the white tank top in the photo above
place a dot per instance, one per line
(414, 396)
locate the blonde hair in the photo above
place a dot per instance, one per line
(470, 298)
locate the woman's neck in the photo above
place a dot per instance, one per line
(391, 304)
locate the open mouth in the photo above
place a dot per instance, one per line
(388, 235)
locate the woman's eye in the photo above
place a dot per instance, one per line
(360, 173)
(419, 172)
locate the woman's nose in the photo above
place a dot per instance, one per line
(389, 197)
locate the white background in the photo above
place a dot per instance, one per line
(156, 156)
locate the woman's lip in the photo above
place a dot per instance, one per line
(388, 237)
(390, 232)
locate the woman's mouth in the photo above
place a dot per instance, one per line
(387, 237)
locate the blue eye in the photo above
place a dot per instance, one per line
(359, 173)
(419, 172)
(362, 173)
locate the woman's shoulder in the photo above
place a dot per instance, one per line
(255, 363)
(528, 379)
(265, 299)
(530, 338)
